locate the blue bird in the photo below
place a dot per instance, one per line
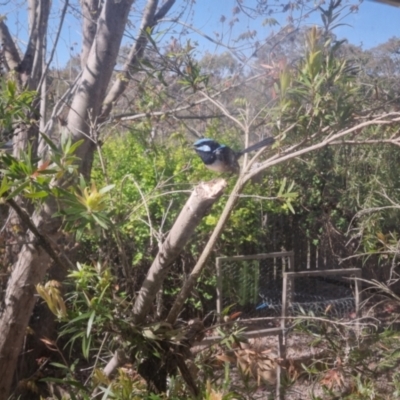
(263, 305)
(221, 158)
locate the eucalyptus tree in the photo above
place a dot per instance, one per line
(86, 102)
(305, 114)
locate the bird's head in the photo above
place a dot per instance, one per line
(206, 146)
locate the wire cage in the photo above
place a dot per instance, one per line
(260, 287)
(241, 281)
(264, 292)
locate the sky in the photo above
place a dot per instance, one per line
(373, 24)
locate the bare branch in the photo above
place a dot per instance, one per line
(224, 110)
(194, 275)
(149, 20)
(90, 14)
(387, 119)
(198, 204)
(11, 54)
(31, 64)
(118, 359)
(53, 50)
(173, 111)
(395, 142)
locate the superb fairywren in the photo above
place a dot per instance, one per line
(221, 158)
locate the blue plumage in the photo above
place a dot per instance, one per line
(263, 305)
(221, 158)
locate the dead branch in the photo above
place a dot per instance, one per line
(197, 206)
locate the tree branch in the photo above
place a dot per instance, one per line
(96, 76)
(386, 119)
(43, 241)
(132, 117)
(90, 14)
(31, 64)
(149, 20)
(198, 204)
(194, 275)
(53, 50)
(246, 175)
(12, 58)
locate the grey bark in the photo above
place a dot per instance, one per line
(10, 50)
(31, 65)
(19, 301)
(194, 275)
(198, 204)
(90, 13)
(30, 68)
(150, 18)
(99, 58)
(96, 76)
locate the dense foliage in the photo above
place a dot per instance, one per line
(341, 198)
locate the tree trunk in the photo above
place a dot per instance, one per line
(95, 79)
(29, 270)
(103, 28)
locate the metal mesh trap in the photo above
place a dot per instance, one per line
(240, 282)
(261, 292)
(260, 287)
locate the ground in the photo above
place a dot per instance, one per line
(324, 359)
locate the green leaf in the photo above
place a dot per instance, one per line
(74, 146)
(103, 224)
(37, 195)
(86, 341)
(90, 323)
(107, 393)
(4, 186)
(18, 190)
(58, 365)
(49, 142)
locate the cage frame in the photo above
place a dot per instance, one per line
(289, 274)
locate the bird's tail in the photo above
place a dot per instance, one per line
(265, 142)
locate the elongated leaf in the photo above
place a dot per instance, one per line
(37, 195)
(106, 189)
(58, 365)
(90, 323)
(74, 146)
(18, 190)
(49, 142)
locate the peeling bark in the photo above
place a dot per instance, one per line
(15, 313)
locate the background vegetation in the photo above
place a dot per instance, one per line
(328, 190)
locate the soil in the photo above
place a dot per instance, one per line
(324, 360)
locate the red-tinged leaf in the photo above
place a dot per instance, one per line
(235, 315)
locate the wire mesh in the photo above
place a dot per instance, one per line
(240, 283)
(252, 288)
